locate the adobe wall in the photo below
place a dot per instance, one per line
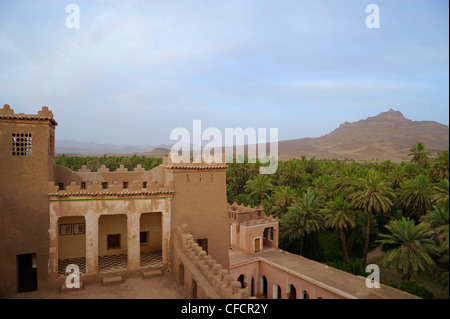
(198, 274)
(23, 194)
(276, 275)
(283, 278)
(247, 226)
(71, 245)
(154, 177)
(200, 201)
(151, 222)
(249, 270)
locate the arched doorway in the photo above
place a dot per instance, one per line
(264, 286)
(305, 295)
(243, 280)
(276, 293)
(252, 287)
(292, 293)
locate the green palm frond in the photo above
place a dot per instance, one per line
(413, 246)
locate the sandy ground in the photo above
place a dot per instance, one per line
(375, 253)
(162, 287)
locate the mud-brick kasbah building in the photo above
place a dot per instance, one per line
(173, 220)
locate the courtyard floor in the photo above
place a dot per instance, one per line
(163, 287)
(111, 263)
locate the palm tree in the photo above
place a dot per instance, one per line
(416, 195)
(410, 170)
(338, 215)
(259, 186)
(419, 154)
(386, 166)
(346, 176)
(283, 197)
(437, 220)
(440, 165)
(396, 176)
(310, 201)
(412, 247)
(371, 194)
(303, 218)
(292, 173)
(441, 190)
(325, 184)
(93, 165)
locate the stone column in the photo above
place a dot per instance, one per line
(166, 230)
(133, 239)
(53, 253)
(91, 243)
(275, 237)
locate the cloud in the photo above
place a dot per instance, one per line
(136, 69)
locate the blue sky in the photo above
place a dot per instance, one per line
(135, 70)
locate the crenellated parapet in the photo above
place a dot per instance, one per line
(248, 215)
(104, 169)
(215, 279)
(43, 115)
(252, 231)
(201, 162)
(97, 188)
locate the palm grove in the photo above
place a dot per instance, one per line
(335, 211)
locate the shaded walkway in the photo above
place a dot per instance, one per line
(112, 263)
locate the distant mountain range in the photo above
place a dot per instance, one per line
(71, 147)
(388, 135)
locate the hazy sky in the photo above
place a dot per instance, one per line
(135, 70)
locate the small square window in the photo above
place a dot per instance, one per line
(21, 144)
(113, 241)
(104, 185)
(125, 185)
(65, 229)
(78, 228)
(203, 242)
(83, 185)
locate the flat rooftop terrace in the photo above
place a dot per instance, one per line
(321, 274)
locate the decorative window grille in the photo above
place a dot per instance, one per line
(22, 144)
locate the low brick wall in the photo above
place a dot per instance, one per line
(198, 273)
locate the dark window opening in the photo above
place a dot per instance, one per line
(241, 279)
(113, 241)
(203, 242)
(61, 186)
(104, 185)
(83, 185)
(143, 237)
(144, 184)
(125, 184)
